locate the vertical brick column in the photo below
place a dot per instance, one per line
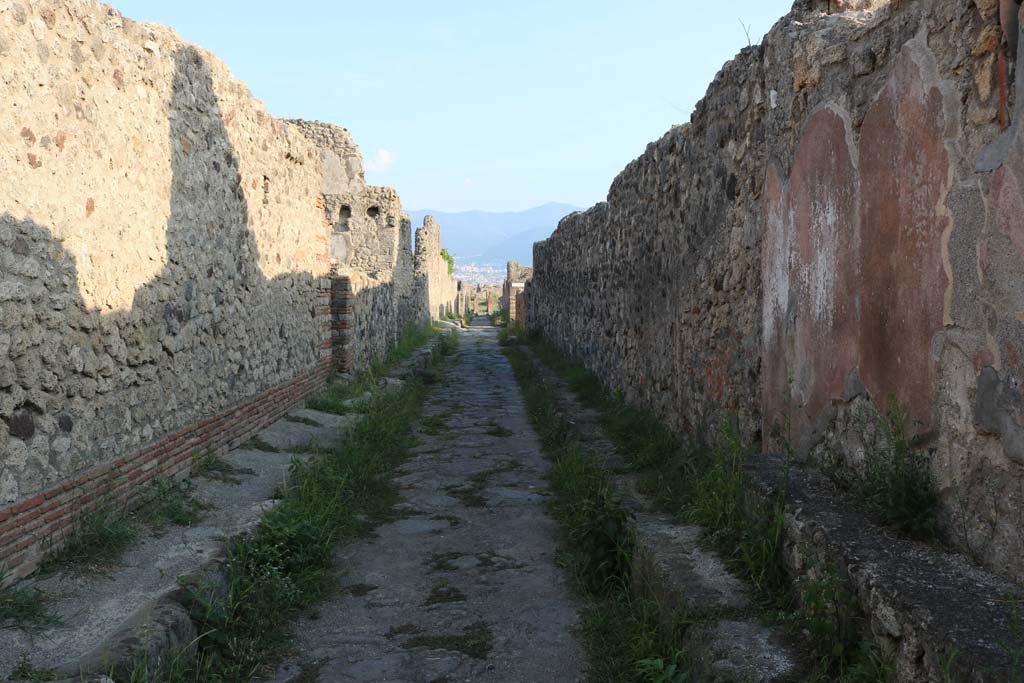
(342, 323)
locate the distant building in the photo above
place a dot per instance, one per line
(512, 291)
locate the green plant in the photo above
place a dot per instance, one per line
(622, 631)
(704, 483)
(169, 502)
(289, 563)
(23, 607)
(209, 465)
(99, 538)
(500, 318)
(181, 666)
(333, 398)
(831, 621)
(498, 430)
(661, 671)
(868, 664)
(711, 491)
(449, 343)
(603, 538)
(622, 626)
(24, 671)
(450, 258)
(104, 533)
(897, 485)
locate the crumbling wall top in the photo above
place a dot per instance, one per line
(343, 162)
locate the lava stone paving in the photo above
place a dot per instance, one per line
(464, 585)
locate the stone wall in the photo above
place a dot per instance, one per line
(436, 286)
(840, 222)
(371, 246)
(517, 275)
(165, 263)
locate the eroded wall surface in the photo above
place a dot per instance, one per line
(160, 242)
(167, 254)
(371, 245)
(838, 224)
(516, 277)
(436, 286)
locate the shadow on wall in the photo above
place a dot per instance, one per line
(78, 387)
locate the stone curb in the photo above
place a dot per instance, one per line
(163, 625)
(937, 613)
(670, 565)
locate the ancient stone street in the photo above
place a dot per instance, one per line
(464, 585)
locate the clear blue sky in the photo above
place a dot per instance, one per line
(475, 104)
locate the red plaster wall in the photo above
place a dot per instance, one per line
(852, 256)
(905, 172)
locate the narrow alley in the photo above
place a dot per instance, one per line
(464, 585)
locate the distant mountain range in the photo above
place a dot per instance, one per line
(482, 237)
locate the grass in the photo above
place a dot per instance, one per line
(24, 608)
(333, 398)
(105, 533)
(470, 494)
(26, 672)
(702, 484)
(622, 627)
(897, 487)
(212, 466)
(435, 425)
(500, 318)
(288, 564)
(498, 430)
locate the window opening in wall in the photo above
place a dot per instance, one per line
(373, 211)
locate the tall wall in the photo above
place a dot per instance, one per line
(840, 222)
(437, 287)
(164, 263)
(371, 245)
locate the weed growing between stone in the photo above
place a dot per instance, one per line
(435, 425)
(897, 486)
(622, 627)
(26, 672)
(23, 607)
(332, 399)
(104, 534)
(288, 564)
(212, 466)
(704, 485)
(498, 430)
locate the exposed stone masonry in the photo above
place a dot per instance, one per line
(840, 221)
(169, 253)
(512, 292)
(442, 290)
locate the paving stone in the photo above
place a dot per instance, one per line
(468, 588)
